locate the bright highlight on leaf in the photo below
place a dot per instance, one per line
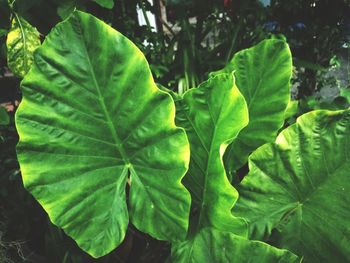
(91, 120)
(299, 186)
(22, 40)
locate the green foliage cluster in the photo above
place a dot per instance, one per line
(100, 151)
(93, 112)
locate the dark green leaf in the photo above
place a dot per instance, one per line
(66, 8)
(4, 117)
(105, 3)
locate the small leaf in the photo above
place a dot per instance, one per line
(105, 3)
(299, 186)
(91, 120)
(22, 40)
(3, 32)
(4, 117)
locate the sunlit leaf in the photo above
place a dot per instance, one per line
(22, 40)
(91, 120)
(292, 109)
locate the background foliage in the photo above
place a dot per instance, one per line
(198, 37)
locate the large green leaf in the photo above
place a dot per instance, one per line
(213, 114)
(211, 245)
(300, 186)
(91, 120)
(263, 74)
(22, 40)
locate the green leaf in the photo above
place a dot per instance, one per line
(292, 109)
(65, 8)
(3, 32)
(4, 117)
(22, 40)
(263, 75)
(105, 3)
(91, 120)
(346, 94)
(299, 187)
(211, 245)
(213, 114)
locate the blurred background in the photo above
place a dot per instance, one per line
(183, 40)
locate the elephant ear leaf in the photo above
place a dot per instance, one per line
(212, 115)
(211, 245)
(299, 187)
(22, 40)
(92, 120)
(263, 74)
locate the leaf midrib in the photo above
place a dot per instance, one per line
(210, 156)
(301, 202)
(112, 128)
(21, 29)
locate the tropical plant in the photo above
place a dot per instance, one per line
(99, 145)
(296, 190)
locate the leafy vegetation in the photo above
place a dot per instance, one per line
(297, 188)
(142, 146)
(136, 171)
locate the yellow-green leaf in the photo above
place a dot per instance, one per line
(22, 40)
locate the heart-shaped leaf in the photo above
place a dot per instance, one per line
(299, 186)
(91, 120)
